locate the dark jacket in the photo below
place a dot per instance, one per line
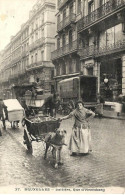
(3, 107)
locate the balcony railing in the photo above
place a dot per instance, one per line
(37, 43)
(101, 51)
(61, 3)
(39, 64)
(69, 48)
(99, 13)
(66, 21)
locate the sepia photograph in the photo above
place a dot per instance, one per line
(62, 96)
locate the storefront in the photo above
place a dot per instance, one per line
(111, 79)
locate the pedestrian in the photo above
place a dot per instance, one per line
(50, 104)
(80, 140)
(3, 113)
(99, 107)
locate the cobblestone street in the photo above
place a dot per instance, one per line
(104, 167)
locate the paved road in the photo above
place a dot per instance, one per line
(102, 168)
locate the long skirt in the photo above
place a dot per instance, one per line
(80, 140)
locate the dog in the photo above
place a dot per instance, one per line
(56, 140)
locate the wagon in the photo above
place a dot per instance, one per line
(15, 111)
(36, 129)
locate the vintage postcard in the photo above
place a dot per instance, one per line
(62, 96)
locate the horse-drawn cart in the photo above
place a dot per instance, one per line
(37, 128)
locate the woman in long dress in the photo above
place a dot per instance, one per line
(80, 140)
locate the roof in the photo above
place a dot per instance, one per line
(70, 79)
(13, 104)
(80, 76)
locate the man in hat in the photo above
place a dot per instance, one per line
(3, 110)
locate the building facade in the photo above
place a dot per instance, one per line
(27, 57)
(102, 46)
(65, 57)
(98, 26)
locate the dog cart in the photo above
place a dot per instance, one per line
(36, 128)
(15, 111)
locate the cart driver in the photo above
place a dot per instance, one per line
(3, 110)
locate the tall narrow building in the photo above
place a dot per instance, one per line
(41, 42)
(65, 56)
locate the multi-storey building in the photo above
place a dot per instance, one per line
(94, 30)
(22, 79)
(65, 57)
(41, 42)
(5, 71)
(102, 44)
(27, 57)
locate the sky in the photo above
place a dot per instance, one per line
(13, 13)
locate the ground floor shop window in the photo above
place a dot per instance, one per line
(111, 79)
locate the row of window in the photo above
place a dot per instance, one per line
(66, 38)
(37, 35)
(25, 47)
(16, 43)
(37, 23)
(71, 9)
(25, 34)
(68, 67)
(109, 37)
(87, 5)
(34, 58)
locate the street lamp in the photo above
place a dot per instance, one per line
(106, 80)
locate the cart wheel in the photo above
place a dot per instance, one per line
(27, 141)
(0, 132)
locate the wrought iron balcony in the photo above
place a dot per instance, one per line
(105, 10)
(93, 51)
(110, 49)
(69, 48)
(39, 64)
(69, 19)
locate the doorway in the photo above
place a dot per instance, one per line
(111, 70)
